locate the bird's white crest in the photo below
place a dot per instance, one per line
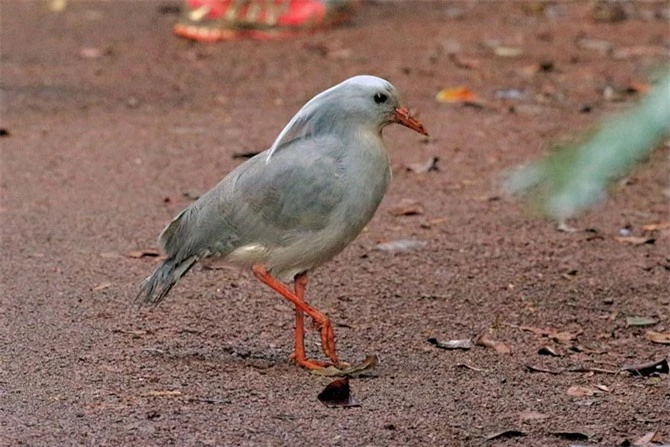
(296, 125)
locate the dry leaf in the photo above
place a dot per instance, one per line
(662, 338)
(580, 391)
(564, 337)
(644, 440)
(406, 208)
(508, 51)
(338, 394)
(484, 340)
(640, 321)
(353, 370)
(456, 95)
(464, 344)
(656, 226)
(101, 286)
(548, 350)
(635, 240)
(532, 368)
(148, 253)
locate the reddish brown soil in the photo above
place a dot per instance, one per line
(112, 119)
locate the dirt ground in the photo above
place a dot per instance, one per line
(112, 123)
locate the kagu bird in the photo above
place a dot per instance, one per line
(294, 206)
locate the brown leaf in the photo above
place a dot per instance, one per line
(635, 240)
(580, 391)
(407, 208)
(101, 286)
(656, 226)
(484, 340)
(338, 394)
(464, 344)
(530, 415)
(646, 439)
(564, 337)
(148, 253)
(662, 338)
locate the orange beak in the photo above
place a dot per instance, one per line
(402, 116)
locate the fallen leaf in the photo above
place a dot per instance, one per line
(422, 168)
(662, 338)
(456, 95)
(635, 240)
(464, 344)
(353, 370)
(647, 369)
(510, 433)
(548, 350)
(147, 253)
(656, 226)
(531, 415)
(483, 340)
(564, 337)
(644, 440)
(338, 394)
(603, 388)
(504, 51)
(101, 286)
(640, 321)
(401, 245)
(407, 208)
(580, 391)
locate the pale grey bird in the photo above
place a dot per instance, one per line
(294, 206)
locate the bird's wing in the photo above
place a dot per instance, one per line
(266, 203)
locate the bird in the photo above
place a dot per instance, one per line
(293, 207)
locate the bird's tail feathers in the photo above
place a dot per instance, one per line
(158, 285)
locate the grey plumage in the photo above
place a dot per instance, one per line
(296, 205)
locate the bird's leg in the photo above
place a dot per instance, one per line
(321, 320)
(300, 284)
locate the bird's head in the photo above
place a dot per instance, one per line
(363, 102)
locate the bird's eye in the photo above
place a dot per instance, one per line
(380, 98)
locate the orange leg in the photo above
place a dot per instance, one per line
(321, 320)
